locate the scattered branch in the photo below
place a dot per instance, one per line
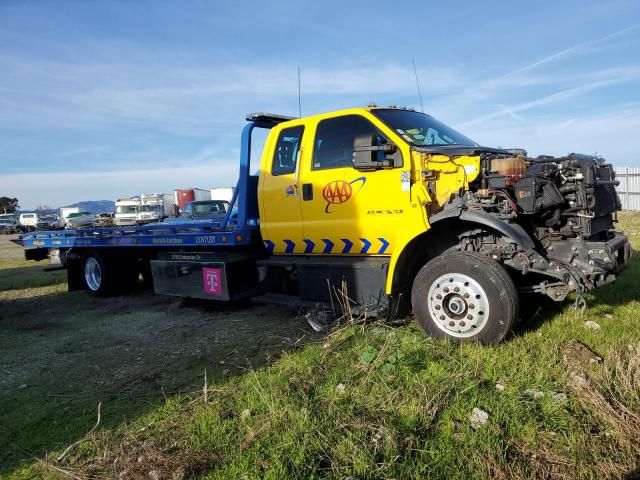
(74, 444)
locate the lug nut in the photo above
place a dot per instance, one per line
(469, 317)
(437, 307)
(442, 317)
(456, 289)
(452, 324)
(466, 295)
(446, 289)
(439, 297)
(472, 306)
(462, 324)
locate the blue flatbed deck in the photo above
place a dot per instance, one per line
(158, 235)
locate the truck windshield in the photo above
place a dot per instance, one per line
(420, 129)
(126, 209)
(207, 208)
(148, 208)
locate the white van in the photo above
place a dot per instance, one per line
(28, 221)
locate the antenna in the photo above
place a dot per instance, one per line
(299, 94)
(415, 72)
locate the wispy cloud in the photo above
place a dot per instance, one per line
(575, 49)
(605, 134)
(554, 98)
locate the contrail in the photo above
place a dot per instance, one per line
(570, 50)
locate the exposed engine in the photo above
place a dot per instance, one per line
(569, 196)
(567, 205)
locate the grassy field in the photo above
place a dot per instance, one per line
(560, 399)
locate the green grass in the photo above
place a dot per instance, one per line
(375, 401)
(17, 273)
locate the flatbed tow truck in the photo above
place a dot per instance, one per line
(399, 207)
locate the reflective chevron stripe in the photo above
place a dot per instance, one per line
(384, 246)
(270, 245)
(366, 244)
(310, 245)
(347, 245)
(328, 246)
(290, 246)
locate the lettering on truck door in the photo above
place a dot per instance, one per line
(346, 211)
(280, 215)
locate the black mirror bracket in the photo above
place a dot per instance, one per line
(365, 154)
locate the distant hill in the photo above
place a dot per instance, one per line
(95, 206)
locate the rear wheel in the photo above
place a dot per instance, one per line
(465, 297)
(97, 276)
(106, 273)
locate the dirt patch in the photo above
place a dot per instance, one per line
(61, 353)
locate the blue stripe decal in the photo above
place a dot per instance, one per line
(309, 247)
(384, 247)
(290, 246)
(366, 245)
(347, 245)
(328, 245)
(270, 245)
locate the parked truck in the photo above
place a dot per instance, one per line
(398, 207)
(186, 195)
(155, 207)
(28, 221)
(64, 214)
(127, 211)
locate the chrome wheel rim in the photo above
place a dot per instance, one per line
(458, 305)
(92, 273)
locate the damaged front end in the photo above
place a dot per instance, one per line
(566, 206)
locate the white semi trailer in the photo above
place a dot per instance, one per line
(222, 193)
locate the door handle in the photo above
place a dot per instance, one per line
(307, 191)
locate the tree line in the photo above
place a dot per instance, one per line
(8, 204)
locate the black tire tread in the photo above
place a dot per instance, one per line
(500, 283)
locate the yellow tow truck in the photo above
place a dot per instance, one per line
(399, 207)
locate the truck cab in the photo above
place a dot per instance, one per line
(155, 207)
(374, 198)
(127, 211)
(28, 221)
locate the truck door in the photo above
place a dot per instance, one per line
(280, 215)
(346, 211)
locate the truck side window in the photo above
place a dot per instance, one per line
(286, 153)
(334, 140)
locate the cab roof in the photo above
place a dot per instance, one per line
(273, 119)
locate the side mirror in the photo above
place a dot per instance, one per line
(365, 153)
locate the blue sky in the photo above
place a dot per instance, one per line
(110, 98)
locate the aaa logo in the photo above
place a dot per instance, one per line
(337, 192)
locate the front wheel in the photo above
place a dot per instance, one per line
(465, 297)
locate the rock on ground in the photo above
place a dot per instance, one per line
(478, 418)
(591, 325)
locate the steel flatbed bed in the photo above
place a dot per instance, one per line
(157, 235)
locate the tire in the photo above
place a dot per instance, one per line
(98, 277)
(465, 297)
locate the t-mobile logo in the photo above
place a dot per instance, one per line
(212, 279)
